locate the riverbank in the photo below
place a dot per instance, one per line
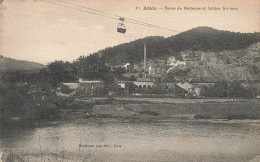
(159, 109)
(178, 109)
(148, 109)
(184, 100)
(143, 109)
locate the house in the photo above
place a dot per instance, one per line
(157, 70)
(172, 62)
(187, 89)
(72, 85)
(83, 88)
(67, 89)
(128, 67)
(90, 88)
(122, 84)
(37, 95)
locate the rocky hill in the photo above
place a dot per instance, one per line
(12, 64)
(227, 65)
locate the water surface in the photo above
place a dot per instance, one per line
(133, 140)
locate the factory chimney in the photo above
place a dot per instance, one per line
(144, 57)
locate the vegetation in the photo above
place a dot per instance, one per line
(15, 103)
(92, 67)
(198, 39)
(197, 109)
(224, 89)
(207, 38)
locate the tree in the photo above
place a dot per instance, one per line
(237, 90)
(60, 71)
(119, 72)
(222, 89)
(132, 87)
(204, 91)
(219, 89)
(91, 67)
(132, 78)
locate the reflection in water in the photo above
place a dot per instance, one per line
(112, 140)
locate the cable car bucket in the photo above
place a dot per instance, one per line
(121, 26)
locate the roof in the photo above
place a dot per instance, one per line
(125, 66)
(158, 66)
(72, 85)
(144, 79)
(185, 85)
(92, 81)
(89, 81)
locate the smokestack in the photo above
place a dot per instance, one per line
(144, 57)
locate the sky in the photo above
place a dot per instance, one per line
(45, 30)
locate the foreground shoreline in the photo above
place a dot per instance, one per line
(148, 109)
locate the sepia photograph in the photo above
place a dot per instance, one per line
(129, 81)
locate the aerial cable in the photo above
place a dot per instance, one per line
(94, 13)
(131, 20)
(88, 8)
(140, 22)
(103, 12)
(78, 9)
(54, 14)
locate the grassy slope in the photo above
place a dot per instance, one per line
(217, 110)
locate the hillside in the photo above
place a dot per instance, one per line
(228, 65)
(206, 38)
(197, 39)
(12, 64)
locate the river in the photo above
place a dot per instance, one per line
(100, 139)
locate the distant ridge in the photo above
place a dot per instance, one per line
(12, 64)
(196, 39)
(207, 38)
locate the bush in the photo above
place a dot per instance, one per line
(65, 89)
(222, 89)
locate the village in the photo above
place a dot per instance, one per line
(146, 79)
(152, 78)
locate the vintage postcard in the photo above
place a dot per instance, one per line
(129, 80)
